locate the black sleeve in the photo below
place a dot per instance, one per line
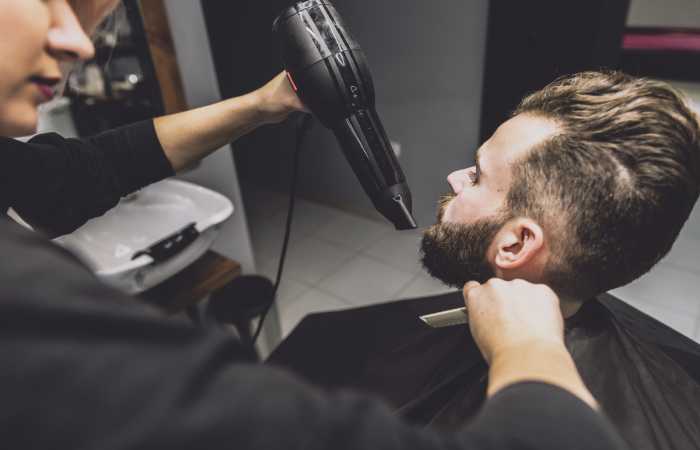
(58, 184)
(541, 416)
(82, 366)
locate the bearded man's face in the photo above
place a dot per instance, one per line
(456, 253)
(458, 248)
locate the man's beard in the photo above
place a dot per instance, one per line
(456, 253)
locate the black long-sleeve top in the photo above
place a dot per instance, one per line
(58, 184)
(84, 367)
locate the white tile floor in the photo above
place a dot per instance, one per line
(338, 260)
(335, 260)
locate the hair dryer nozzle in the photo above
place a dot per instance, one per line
(398, 209)
(405, 221)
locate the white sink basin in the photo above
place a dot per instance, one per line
(151, 235)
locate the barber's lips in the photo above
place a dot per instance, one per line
(45, 86)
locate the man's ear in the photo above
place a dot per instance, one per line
(518, 244)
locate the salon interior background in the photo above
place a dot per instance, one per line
(431, 86)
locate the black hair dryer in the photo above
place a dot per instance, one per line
(329, 72)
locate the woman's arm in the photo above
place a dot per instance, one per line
(58, 184)
(190, 136)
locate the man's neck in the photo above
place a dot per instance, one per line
(569, 306)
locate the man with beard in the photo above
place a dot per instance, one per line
(584, 189)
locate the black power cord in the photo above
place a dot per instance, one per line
(302, 130)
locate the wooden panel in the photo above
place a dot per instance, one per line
(162, 49)
(205, 276)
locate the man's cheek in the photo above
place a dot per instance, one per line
(446, 214)
(456, 212)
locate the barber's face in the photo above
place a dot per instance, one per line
(458, 248)
(36, 36)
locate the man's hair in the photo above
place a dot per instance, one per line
(615, 185)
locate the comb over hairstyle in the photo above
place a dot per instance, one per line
(615, 185)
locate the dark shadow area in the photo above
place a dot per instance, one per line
(645, 375)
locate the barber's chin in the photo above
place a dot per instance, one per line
(20, 123)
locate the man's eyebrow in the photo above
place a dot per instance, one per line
(477, 160)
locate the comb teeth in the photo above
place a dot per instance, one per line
(447, 318)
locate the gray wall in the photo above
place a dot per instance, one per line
(665, 13)
(692, 91)
(217, 171)
(427, 61)
(672, 13)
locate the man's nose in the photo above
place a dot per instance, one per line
(67, 40)
(457, 179)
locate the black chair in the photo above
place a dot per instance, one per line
(239, 303)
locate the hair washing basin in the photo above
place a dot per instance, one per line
(151, 235)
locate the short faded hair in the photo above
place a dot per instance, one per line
(615, 185)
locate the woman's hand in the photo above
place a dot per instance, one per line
(277, 100)
(508, 314)
(189, 136)
(519, 329)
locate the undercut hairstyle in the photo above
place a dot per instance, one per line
(615, 185)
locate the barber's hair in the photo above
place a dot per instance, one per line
(615, 185)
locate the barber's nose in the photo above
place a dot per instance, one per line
(67, 40)
(457, 180)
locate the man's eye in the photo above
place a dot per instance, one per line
(474, 177)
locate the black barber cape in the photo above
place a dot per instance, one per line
(84, 367)
(645, 375)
